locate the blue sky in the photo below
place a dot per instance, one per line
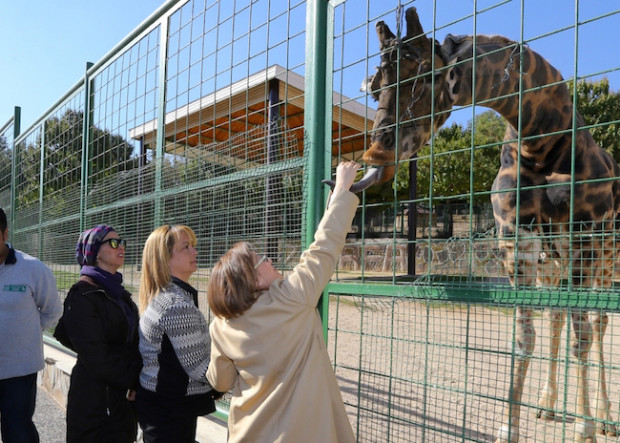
(46, 44)
(545, 25)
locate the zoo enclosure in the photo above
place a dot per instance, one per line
(225, 116)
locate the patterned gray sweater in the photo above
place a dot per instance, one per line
(175, 344)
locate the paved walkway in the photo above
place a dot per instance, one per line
(49, 417)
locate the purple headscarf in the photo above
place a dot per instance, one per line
(89, 243)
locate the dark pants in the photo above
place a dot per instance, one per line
(164, 424)
(18, 397)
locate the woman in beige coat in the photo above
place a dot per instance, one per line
(267, 344)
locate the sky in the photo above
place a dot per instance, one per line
(46, 44)
(546, 26)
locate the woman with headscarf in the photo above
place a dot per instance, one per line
(101, 323)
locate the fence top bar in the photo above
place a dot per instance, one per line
(159, 12)
(109, 55)
(7, 124)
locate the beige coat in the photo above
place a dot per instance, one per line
(274, 356)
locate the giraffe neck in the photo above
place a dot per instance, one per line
(544, 109)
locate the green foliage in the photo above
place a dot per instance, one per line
(461, 163)
(62, 143)
(451, 162)
(63, 151)
(28, 172)
(108, 153)
(598, 105)
(5, 164)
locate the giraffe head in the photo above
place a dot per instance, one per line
(408, 90)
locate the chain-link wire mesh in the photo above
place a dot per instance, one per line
(424, 332)
(7, 133)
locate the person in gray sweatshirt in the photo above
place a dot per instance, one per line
(29, 304)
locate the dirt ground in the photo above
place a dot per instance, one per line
(431, 372)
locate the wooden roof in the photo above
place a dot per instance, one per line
(243, 106)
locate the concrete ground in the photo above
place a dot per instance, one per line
(49, 418)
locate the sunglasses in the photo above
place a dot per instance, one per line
(262, 259)
(116, 242)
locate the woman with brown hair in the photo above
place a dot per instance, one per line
(267, 341)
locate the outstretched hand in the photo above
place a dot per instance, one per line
(345, 175)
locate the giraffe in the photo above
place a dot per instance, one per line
(421, 80)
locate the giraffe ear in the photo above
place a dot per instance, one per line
(454, 46)
(384, 34)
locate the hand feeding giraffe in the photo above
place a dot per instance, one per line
(423, 77)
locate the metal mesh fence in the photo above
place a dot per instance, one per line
(201, 118)
(423, 370)
(7, 133)
(424, 332)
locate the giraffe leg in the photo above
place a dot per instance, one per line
(521, 270)
(605, 424)
(549, 396)
(524, 347)
(580, 346)
(607, 249)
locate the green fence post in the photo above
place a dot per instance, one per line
(314, 123)
(17, 116)
(41, 194)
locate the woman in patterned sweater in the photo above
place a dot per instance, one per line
(174, 340)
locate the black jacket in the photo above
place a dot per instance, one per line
(108, 365)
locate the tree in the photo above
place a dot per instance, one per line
(28, 172)
(5, 164)
(63, 151)
(452, 170)
(108, 153)
(62, 157)
(600, 107)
